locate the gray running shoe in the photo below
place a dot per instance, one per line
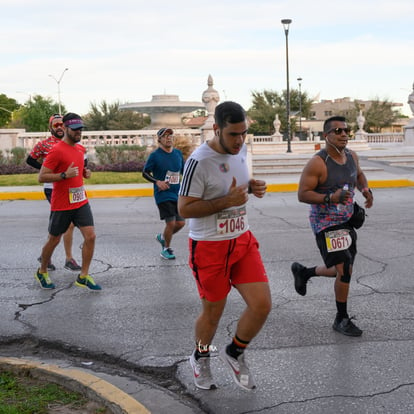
(72, 265)
(239, 370)
(201, 373)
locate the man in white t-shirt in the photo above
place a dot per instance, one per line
(223, 252)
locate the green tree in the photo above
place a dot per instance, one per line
(268, 103)
(263, 111)
(109, 117)
(7, 107)
(379, 115)
(35, 113)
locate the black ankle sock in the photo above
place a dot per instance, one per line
(309, 272)
(201, 351)
(342, 311)
(198, 354)
(237, 347)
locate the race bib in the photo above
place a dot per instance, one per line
(76, 195)
(232, 221)
(338, 240)
(172, 177)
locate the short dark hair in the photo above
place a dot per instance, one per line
(328, 122)
(229, 112)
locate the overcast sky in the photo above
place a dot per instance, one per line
(129, 50)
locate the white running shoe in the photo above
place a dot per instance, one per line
(239, 370)
(201, 373)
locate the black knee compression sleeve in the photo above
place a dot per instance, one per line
(346, 277)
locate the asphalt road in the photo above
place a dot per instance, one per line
(142, 321)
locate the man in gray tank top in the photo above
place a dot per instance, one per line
(328, 184)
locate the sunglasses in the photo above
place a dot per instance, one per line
(338, 131)
(57, 125)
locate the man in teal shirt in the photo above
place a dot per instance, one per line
(163, 168)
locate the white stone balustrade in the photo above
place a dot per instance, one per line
(384, 137)
(92, 139)
(10, 138)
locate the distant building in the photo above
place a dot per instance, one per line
(341, 106)
(344, 106)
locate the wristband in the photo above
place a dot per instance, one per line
(366, 189)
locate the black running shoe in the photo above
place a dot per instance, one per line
(346, 327)
(50, 265)
(300, 280)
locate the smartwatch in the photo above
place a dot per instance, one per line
(63, 176)
(327, 199)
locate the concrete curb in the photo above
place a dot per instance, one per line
(87, 384)
(148, 192)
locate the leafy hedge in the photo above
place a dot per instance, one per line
(129, 166)
(9, 169)
(122, 158)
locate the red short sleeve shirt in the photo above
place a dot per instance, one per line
(70, 193)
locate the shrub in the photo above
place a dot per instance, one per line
(108, 154)
(130, 166)
(18, 156)
(184, 144)
(9, 169)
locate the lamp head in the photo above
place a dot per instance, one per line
(286, 23)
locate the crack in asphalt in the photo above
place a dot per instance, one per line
(324, 397)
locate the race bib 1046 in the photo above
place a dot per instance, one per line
(338, 240)
(232, 221)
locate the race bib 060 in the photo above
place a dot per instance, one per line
(232, 221)
(76, 195)
(338, 240)
(172, 177)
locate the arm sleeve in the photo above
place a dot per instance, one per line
(147, 170)
(148, 176)
(34, 163)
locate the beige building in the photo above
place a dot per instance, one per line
(341, 106)
(345, 106)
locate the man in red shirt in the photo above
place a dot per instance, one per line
(64, 167)
(35, 158)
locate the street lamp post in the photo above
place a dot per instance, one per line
(300, 108)
(7, 110)
(58, 85)
(286, 23)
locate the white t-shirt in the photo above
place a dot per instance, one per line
(209, 175)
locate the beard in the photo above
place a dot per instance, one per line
(226, 148)
(58, 133)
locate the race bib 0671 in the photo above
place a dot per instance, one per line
(338, 240)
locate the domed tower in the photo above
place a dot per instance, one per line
(210, 98)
